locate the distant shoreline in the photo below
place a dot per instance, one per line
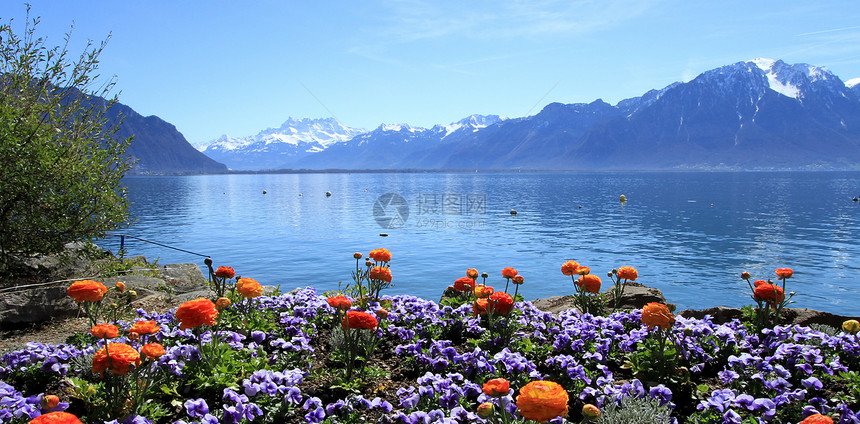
(492, 171)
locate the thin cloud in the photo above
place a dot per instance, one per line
(827, 31)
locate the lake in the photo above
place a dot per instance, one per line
(690, 234)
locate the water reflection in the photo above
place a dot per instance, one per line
(689, 234)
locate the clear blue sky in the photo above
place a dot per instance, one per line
(237, 67)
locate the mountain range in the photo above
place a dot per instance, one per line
(757, 114)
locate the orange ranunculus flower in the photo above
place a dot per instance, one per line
(339, 302)
(817, 419)
(784, 272)
(464, 284)
(152, 350)
(195, 313)
(657, 314)
(757, 283)
(122, 356)
(496, 387)
(770, 293)
(583, 270)
(542, 401)
(223, 303)
(483, 291)
(589, 283)
(49, 401)
(105, 331)
(56, 417)
(120, 286)
(509, 272)
(479, 307)
(249, 288)
(628, 273)
(569, 268)
(360, 320)
(500, 303)
(380, 255)
(225, 272)
(380, 273)
(472, 273)
(518, 279)
(89, 290)
(145, 327)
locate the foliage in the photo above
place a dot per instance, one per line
(635, 410)
(61, 161)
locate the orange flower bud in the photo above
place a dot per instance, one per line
(382, 313)
(518, 279)
(472, 273)
(223, 303)
(357, 255)
(746, 275)
(485, 410)
(590, 412)
(851, 326)
(120, 286)
(50, 401)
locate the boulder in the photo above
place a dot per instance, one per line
(188, 273)
(635, 296)
(800, 316)
(38, 304)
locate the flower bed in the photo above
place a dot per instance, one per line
(302, 357)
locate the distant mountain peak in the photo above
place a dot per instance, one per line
(853, 82)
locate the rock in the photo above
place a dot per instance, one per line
(636, 296)
(800, 316)
(188, 273)
(719, 314)
(37, 304)
(554, 304)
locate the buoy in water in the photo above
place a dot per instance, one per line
(300, 195)
(264, 192)
(328, 194)
(383, 234)
(857, 199)
(513, 212)
(580, 206)
(623, 198)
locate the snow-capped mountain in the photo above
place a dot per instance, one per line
(393, 146)
(755, 114)
(275, 146)
(761, 114)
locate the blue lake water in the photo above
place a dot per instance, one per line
(689, 234)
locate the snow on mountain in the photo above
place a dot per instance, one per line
(852, 82)
(797, 80)
(272, 146)
(471, 123)
(294, 131)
